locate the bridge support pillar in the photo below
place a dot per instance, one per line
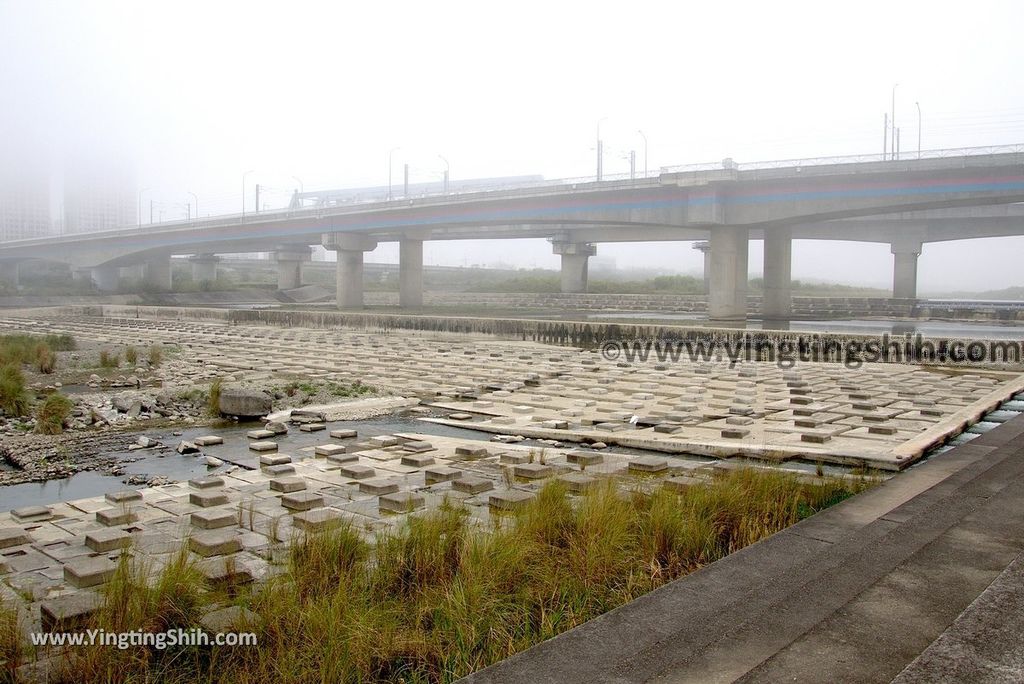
(349, 268)
(105, 278)
(904, 269)
(410, 273)
(289, 260)
(575, 258)
(158, 272)
(204, 267)
(777, 303)
(705, 249)
(727, 300)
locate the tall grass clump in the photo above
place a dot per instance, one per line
(12, 647)
(213, 398)
(131, 355)
(46, 360)
(14, 399)
(109, 360)
(156, 355)
(440, 594)
(52, 414)
(139, 598)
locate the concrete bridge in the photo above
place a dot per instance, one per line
(944, 195)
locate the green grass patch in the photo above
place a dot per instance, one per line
(14, 399)
(52, 414)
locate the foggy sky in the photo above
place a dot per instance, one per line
(194, 94)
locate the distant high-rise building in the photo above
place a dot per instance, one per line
(25, 197)
(98, 198)
(24, 210)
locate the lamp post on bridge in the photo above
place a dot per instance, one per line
(645, 151)
(243, 189)
(600, 149)
(918, 129)
(196, 205)
(391, 153)
(892, 119)
(447, 170)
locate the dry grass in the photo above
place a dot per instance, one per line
(440, 597)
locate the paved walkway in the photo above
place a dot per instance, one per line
(854, 594)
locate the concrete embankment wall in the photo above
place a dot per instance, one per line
(732, 343)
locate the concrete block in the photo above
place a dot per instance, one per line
(206, 483)
(533, 471)
(208, 440)
(355, 471)
(343, 458)
(207, 498)
(302, 501)
(262, 446)
(681, 483)
(647, 464)
(577, 482)
(88, 571)
(440, 474)
(735, 433)
(13, 536)
(102, 541)
(584, 458)
(274, 459)
(417, 460)
(815, 437)
(279, 470)
(470, 484)
(28, 514)
(509, 500)
(381, 441)
(214, 519)
(378, 487)
(400, 502)
(417, 446)
(114, 517)
(260, 434)
(317, 520)
(328, 449)
(312, 427)
(343, 433)
(70, 612)
(215, 543)
(881, 430)
(471, 451)
(287, 485)
(125, 496)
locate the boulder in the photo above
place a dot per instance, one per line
(244, 403)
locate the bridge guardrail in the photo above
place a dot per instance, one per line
(612, 181)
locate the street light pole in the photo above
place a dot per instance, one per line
(302, 187)
(391, 152)
(447, 169)
(918, 129)
(645, 151)
(600, 150)
(243, 189)
(892, 119)
(196, 203)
